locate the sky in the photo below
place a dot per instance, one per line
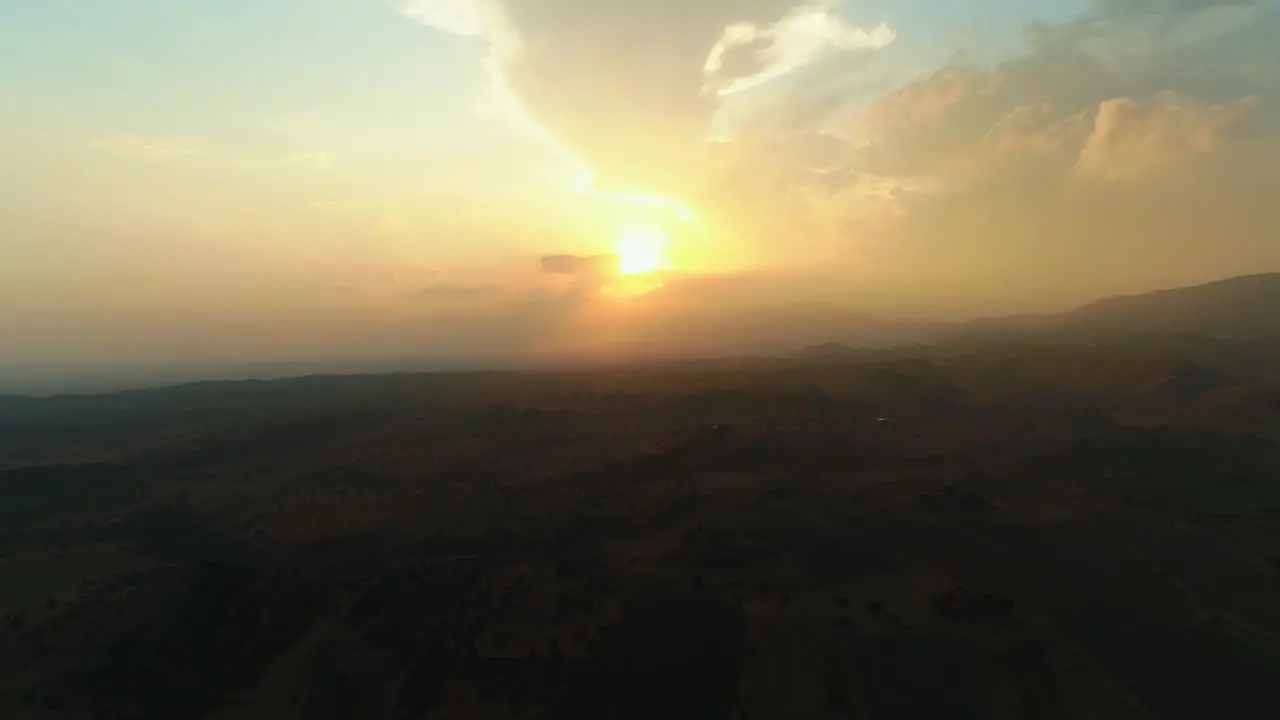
(272, 180)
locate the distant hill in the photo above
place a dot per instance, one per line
(1239, 307)
(1235, 309)
(829, 351)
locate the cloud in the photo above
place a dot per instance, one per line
(576, 264)
(1133, 8)
(1168, 200)
(1033, 130)
(460, 17)
(919, 129)
(618, 86)
(590, 273)
(1065, 171)
(1122, 149)
(1132, 139)
(928, 99)
(747, 55)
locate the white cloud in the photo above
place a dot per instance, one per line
(460, 17)
(618, 87)
(796, 40)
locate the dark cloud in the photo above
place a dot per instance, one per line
(590, 273)
(578, 265)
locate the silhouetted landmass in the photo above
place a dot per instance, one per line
(1240, 307)
(673, 653)
(1025, 529)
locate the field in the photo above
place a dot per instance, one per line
(1000, 531)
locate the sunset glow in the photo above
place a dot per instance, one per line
(642, 250)
(271, 179)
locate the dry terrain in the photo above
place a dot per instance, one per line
(1005, 531)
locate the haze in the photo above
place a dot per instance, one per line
(357, 180)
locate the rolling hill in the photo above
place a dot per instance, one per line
(1240, 307)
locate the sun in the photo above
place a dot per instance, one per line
(641, 250)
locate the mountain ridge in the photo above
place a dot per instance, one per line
(1240, 307)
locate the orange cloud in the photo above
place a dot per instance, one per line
(1033, 129)
(1131, 139)
(927, 99)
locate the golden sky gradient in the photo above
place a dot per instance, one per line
(359, 178)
